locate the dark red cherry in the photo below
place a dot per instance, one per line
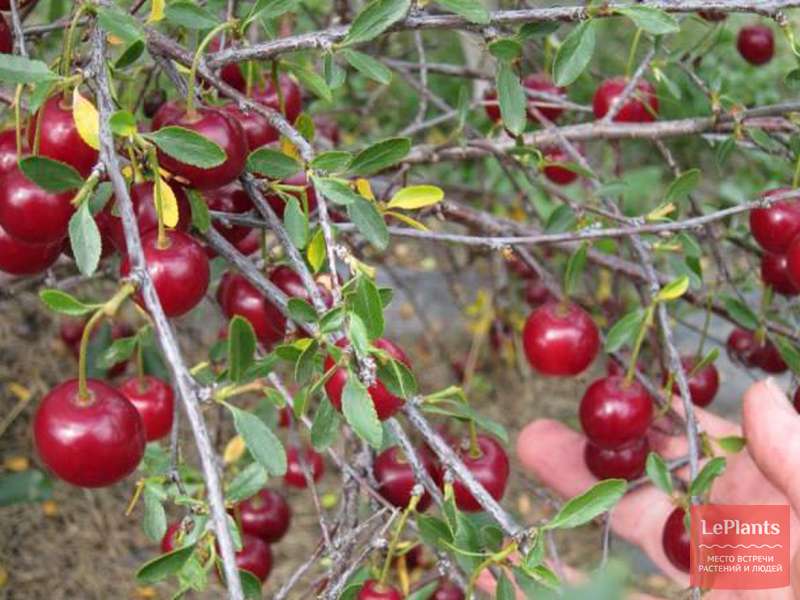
(21, 258)
(541, 82)
(614, 412)
(180, 271)
(230, 73)
(31, 214)
(294, 471)
(255, 557)
(641, 106)
(756, 44)
(560, 340)
(153, 101)
(144, 207)
(217, 126)
(796, 400)
(265, 515)
(169, 110)
(240, 297)
(447, 590)
(775, 273)
(703, 384)
(626, 462)
(328, 129)
(90, 443)
(555, 173)
(267, 95)
(501, 334)
(374, 590)
(169, 541)
(230, 199)
(285, 417)
(256, 128)
(278, 204)
(8, 150)
(516, 265)
(490, 468)
(6, 4)
(536, 293)
(793, 262)
(491, 105)
(386, 403)
(250, 243)
(776, 226)
(291, 284)
(6, 38)
(676, 541)
(768, 358)
(59, 138)
(396, 479)
(742, 347)
(713, 16)
(155, 401)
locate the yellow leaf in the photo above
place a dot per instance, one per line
(147, 592)
(673, 290)
(16, 463)
(316, 251)
(169, 204)
(49, 508)
(365, 189)
(416, 196)
(87, 121)
(156, 11)
(114, 40)
(234, 450)
(22, 393)
(289, 149)
(406, 219)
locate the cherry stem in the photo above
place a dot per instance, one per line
(491, 560)
(87, 188)
(66, 58)
(190, 110)
(474, 447)
(632, 53)
(387, 563)
(637, 346)
(18, 118)
(140, 365)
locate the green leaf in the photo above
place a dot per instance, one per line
(359, 411)
(369, 222)
(50, 175)
(538, 28)
(652, 20)
(357, 333)
(271, 163)
(507, 49)
(269, 9)
(724, 151)
(712, 469)
(120, 23)
(740, 312)
(368, 66)
(296, 222)
(130, 55)
(201, 219)
(301, 311)
(683, 185)
(62, 302)
(265, 447)
(163, 566)
(155, 519)
(574, 54)
(414, 197)
(624, 331)
(792, 80)
(425, 592)
(561, 219)
(84, 237)
(25, 486)
(673, 290)
(366, 303)
(380, 156)
(472, 10)
(332, 161)
(788, 352)
(458, 409)
(599, 498)
(575, 268)
(731, 444)
(248, 482)
(512, 99)
(188, 147)
(397, 378)
(332, 320)
(18, 69)
(189, 15)
(659, 474)
(375, 18)
(310, 80)
(241, 347)
(122, 123)
(325, 426)
(251, 585)
(335, 191)
(432, 530)
(505, 589)
(120, 350)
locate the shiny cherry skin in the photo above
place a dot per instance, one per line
(793, 262)
(142, 196)
(21, 258)
(536, 293)
(59, 138)
(560, 340)
(703, 384)
(91, 444)
(374, 590)
(285, 417)
(396, 479)
(742, 347)
(278, 204)
(240, 297)
(155, 401)
(386, 403)
(490, 468)
(447, 590)
(171, 109)
(541, 82)
(31, 214)
(230, 199)
(255, 557)
(756, 44)
(768, 359)
(180, 271)
(626, 462)
(641, 107)
(776, 226)
(6, 38)
(614, 412)
(294, 476)
(8, 150)
(217, 126)
(250, 243)
(168, 542)
(775, 273)
(266, 515)
(676, 541)
(230, 73)
(256, 128)
(267, 95)
(558, 174)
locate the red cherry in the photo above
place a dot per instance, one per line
(792, 261)
(21, 258)
(712, 15)
(6, 38)
(230, 199)
(614, 412)
(491, 105)
(626, 462)
(255, 557)
(396, 479)
(180, 271)
(256, 128)
(703, 384)
(216, 125)
(490, 469)
(742, 347)
(756, 44)
(768, 358)
(560, 340)
(6, 4)
(285, 417)
(88, 445)
(536, 293)
(142, 196)
(59, 138)
(31, 214)
(155, 401)
(169, 110)
(8, 150)
(447, 590)
(240, 297)
(250, 243)
(641, 107)
(775, 227)
(676, 541)
(541, 82)
(374, 590)
(291, 284)
(796, 400)
(386, 403)
(292, 96)
(519, 268)
(775, 273)
(557, 174)
(328, 129)
(278, 204)
(294, 471)
(230, 73)
(265, 515)
(168, 542)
